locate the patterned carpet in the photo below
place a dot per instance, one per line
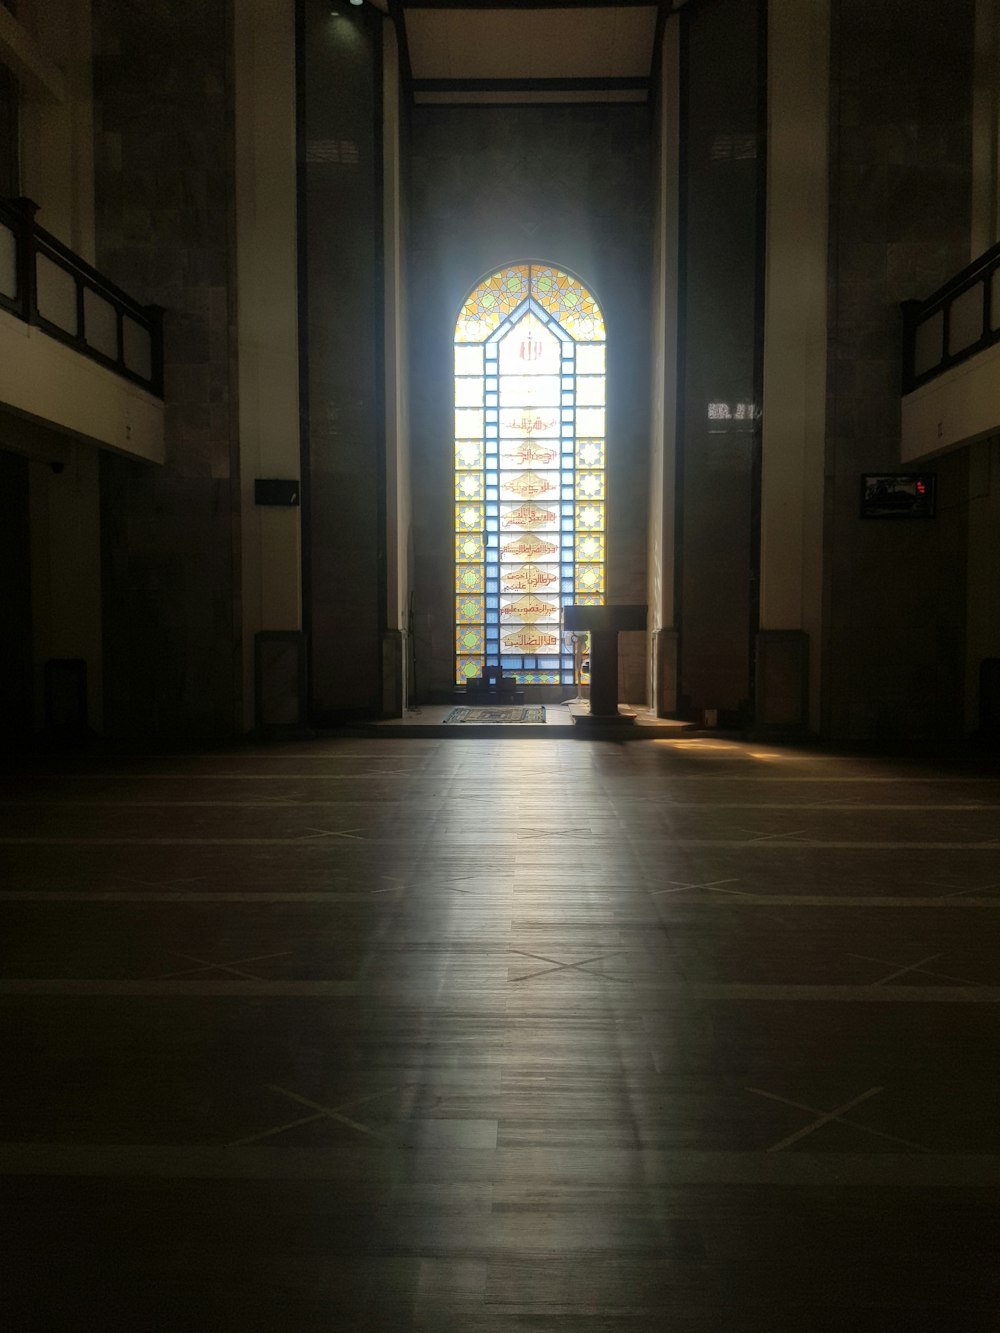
(530, 713)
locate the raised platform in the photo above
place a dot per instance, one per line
(562, 722)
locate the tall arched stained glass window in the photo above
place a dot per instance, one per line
(529, 471)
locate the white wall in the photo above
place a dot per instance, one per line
(959, 405)
(53, 383)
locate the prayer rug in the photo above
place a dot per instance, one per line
(529, 713)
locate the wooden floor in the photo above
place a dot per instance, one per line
(464, 1035)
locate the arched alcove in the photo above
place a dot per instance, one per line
(530, 489)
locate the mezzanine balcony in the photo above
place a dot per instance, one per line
(76, 352)
(951, 361)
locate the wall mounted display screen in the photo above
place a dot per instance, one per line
(530, 490)
(897, 495)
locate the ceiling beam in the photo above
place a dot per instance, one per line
(456, 6)
(640, 83)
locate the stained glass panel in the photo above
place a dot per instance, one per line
(469, 638)
(524, 423)
(529, 471)
(529, 452)
(589, 546)
(470, 610)
(469, 546)
(589, 578)
(529, 485)
(468, 668)
(469, 578)
(568, 300)
(528, 516)
(590, 453)
(469, 453)
(590, 516)
(590, 484)
(492, 301)
(469, 517)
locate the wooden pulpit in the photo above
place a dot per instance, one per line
(604, 624)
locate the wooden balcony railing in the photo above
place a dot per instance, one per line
(958, 320)
(44, 283)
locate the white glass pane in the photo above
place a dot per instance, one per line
(468, 360)
(55, 294)
(469, 393)
(468, 425)
(928, 344)
(590, 359)
(137, 349)
(590, 421)
(100, 324)
(529, 391)
(8, 262)
(469, 453)
(965, 321)
(590, 392)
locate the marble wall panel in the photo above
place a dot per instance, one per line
(900, 225)
(565, 184)
(163, 163)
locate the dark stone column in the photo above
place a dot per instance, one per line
(782, 679)
(16, 688)
(900, 192)
(721, 256)
(170, 535)
(341, 297)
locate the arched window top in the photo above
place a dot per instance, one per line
(557, 293)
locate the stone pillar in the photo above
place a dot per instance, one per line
(664, 672)
(795, 341)
(267, 313)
